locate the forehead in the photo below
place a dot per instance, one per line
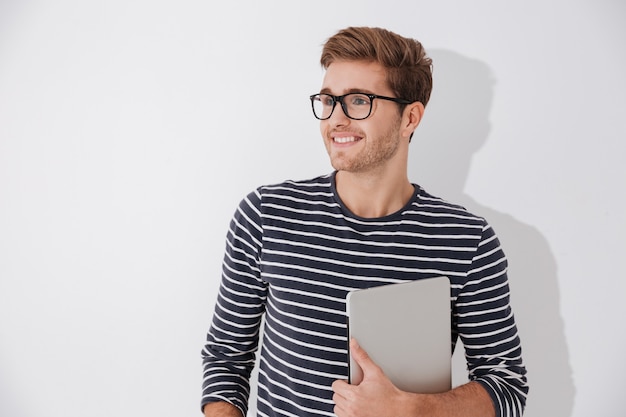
(345, 76)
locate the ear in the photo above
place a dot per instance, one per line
(411, 118)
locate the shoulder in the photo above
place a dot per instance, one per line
(291, 192)
(318, 185)
(436, 209)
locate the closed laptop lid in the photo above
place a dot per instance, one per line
(405, 329)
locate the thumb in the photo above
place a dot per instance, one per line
(368, 366)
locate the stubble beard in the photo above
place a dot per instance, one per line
(374, 154)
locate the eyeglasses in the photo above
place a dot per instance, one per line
(357, 106)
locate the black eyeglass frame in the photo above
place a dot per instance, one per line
(339, 99)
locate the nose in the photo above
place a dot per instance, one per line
(338, 117)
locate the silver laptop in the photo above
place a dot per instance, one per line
(405, 329)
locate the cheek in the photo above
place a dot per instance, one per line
(324, 129)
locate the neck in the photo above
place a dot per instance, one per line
(373, 196)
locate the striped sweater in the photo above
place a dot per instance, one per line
(293, 252)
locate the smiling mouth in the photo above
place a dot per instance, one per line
(346, 139)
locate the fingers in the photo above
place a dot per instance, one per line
(371, 397)
(342, 394)
(340, 387)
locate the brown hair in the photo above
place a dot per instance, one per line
(409, 70)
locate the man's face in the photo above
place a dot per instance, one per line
(367, 145)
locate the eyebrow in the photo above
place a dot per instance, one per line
(349, 91)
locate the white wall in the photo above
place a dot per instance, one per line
(129, 130)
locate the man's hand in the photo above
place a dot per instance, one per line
(221, 409)
(375, 396)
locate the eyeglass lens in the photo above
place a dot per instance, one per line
(356, 105)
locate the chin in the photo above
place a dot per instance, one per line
(340, 165)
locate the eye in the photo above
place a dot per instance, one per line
(359, 100)
(326, 100)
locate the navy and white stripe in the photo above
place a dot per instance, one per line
(294, 251)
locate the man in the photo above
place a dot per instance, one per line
(294, 250)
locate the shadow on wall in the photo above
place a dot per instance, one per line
(456, 125)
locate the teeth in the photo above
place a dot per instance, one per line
(345, 139)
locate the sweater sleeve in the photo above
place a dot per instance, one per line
(229, 353)
(486, 325)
